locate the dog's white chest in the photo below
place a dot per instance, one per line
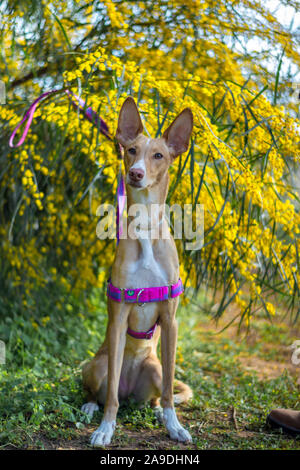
(146, 271)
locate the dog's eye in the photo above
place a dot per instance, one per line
(132, 151)
(158, 156)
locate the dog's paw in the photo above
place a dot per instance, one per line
(90, 408)
(102, 436)
(176, 431)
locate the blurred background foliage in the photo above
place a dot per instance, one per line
(233, 63)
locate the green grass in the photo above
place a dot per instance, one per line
(41, 391)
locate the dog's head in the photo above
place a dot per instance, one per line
(147, 160)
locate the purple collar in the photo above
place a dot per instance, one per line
(144, 295)
(141, 296)
(142, 334)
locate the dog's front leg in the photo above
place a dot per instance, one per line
(168, 324)
(116, 339)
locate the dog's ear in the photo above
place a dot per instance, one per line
(177, 135)
(130, 123)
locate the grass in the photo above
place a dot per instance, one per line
(236, 381)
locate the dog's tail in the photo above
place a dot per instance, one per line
(182, 392)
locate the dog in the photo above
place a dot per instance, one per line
(143, 290)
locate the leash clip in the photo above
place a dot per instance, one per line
(137, 298)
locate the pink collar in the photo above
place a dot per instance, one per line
(144, 295)
(142, 334)
(141, 296)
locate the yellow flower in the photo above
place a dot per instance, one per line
(270, 307)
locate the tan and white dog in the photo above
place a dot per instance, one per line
(124, 365)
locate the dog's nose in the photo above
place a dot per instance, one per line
(136, 174)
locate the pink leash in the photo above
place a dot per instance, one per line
(28, 117)
(95, 119)
(89, 113)
(121, 193)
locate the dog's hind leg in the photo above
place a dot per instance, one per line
(149, 387)
(94, 376)
(149, 384)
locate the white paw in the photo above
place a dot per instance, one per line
(158, 411)
(102, 436)
(176, 431)
(89, 408)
